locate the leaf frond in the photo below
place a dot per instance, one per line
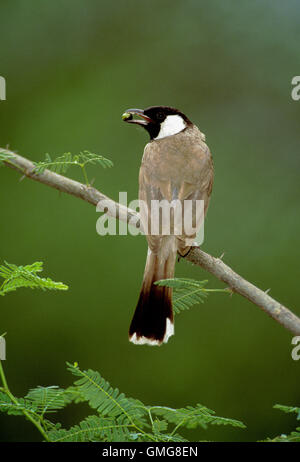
(48, 399)
(93, 428)
(15, 408)
(294, 436)
(187, 292)
(192, 417)
(15, 277)
(62, 163)
(87, 157)
(108, 401)
(288, 409)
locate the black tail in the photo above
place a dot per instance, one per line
(152, 322)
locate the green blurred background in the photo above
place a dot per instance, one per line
(72, 68)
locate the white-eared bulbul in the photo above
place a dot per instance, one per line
(176, 165)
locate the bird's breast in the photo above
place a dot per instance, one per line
(177, 158)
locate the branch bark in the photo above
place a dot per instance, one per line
(196, 256)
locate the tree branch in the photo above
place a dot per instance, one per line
(196, 256)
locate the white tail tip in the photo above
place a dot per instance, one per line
(141, 340)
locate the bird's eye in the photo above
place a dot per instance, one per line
(160, 116)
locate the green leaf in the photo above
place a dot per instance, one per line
(62, 163)
(106, 400)
(119, 418)
(58, 165)
(288, 409)
(192, 417)
(48, 399)
(161, 437)
(293, 437)
(16, 277)
(11, 408)
(187, 292)
(93, 428)
(86, 157)
(159, 426)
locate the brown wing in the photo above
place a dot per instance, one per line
(175, 168)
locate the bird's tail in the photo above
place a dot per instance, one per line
(153, 323)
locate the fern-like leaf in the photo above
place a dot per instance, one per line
(58, 165)
(159, 437)
(106, 400)
(62, 163)
(26, 276)
(159, 426)
(15, 408)
(288, 409)
(187, 292)
(93, 428)
(86, 157)
(192, 417)
(48, 399)
(293, 436)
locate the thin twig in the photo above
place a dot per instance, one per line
(196, 256)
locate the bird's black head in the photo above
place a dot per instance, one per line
(159, 121)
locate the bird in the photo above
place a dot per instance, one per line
(176, 166)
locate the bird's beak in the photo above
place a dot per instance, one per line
(128, 117)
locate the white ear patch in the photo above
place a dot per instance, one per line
(172, 125)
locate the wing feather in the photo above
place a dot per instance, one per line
(177, 168)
